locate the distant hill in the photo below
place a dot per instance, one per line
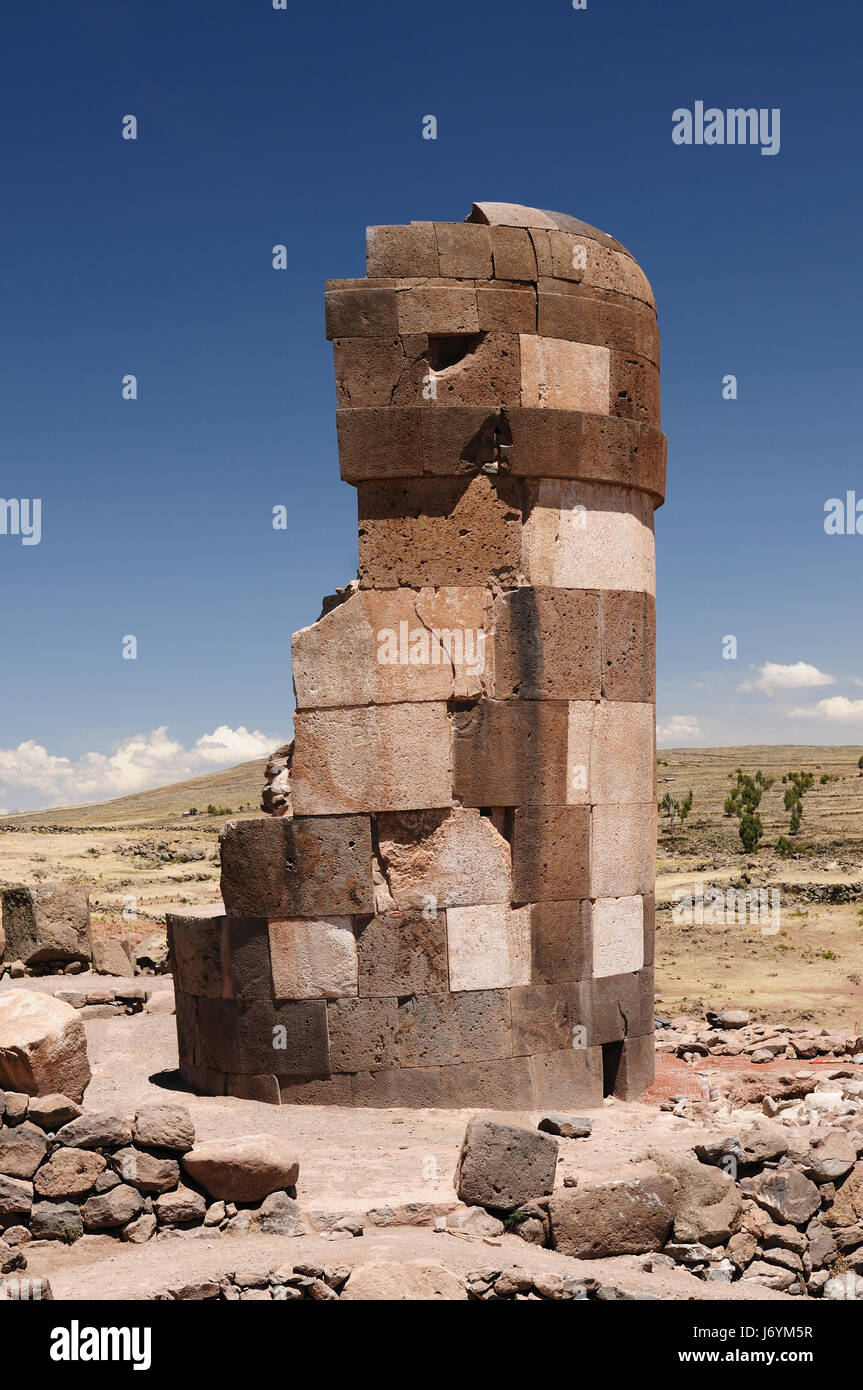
(237, 789)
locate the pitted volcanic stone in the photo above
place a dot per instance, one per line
(502, 1166)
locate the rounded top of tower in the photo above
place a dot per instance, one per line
(516, 215)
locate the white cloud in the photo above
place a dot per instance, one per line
(679, 727)
(798, 676)
(139, 762)
(838, 709)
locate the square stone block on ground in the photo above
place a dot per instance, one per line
(441, 1029)
(501, 1166)
(386, 757)
(618, 936)
(298, 866)
(50, 922)
(551, 854)
(622, 850)
(439, 531)
(563, 375)
(402, 953)
(547, 644)
(511, 753)
(444, 858)
(581, 535)
(313, 959)
(488, 947)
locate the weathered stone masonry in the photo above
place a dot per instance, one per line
(453, 902)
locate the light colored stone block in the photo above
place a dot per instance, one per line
(579, 752)
(564, 376)
(618, 936)
(622, 850)
(590, 536)
(389, 758)
(440, 859)
(622, 757)
(313, 960)
(395, 646)
(488, 947)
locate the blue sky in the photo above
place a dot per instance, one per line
(258, 126)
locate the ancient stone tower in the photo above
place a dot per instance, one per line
(453, 905)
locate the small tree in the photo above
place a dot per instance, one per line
(751, 830)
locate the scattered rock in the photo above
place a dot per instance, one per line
(501, 1166)
(43, 1048)
(566, 1126)
(244, 1169)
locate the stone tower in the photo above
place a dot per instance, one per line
(453, 905)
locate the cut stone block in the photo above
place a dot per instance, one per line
(43, 1048)
(438, 309)
(394, 646)
(362, 313)
(548, 1018)
(458, 439)
(649, 902)
(511, 753)
(441, 859)
(571, 1076)
(588, 448)
(111, 957)
(195, 942)
(402, 953)
(379, 443)
(48, 923)
(410, 1087)
(583, 319)
(636, 1068)
(502, 1166)
(439, 531)
(621, 1216)
(390, 757)
(618, 936)
(589, 536)
(313, 959)
(244, 1168)
(298, 866)
(464, 250)
(634, 388)
(506, 311)
(622, 850)
(506, 1084)
(615, 1007)
(363, 1034)
(628, 646)
(488, 946)
(547, 644)
(401, 251)
(486, 370)
(288, 1038)
(564, 375)
(513, 254)
(441, 1029)
(380, 373)
(551, 854)
(561, 941)
(611, 750)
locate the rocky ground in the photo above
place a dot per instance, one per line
(756, 1160)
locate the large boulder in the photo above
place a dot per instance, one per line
(244, 1169)
(43, 1047)
(709, 1206)
(627, 1215)
(47, 923)
(415, 1281)
(110, 957)
(503, 1166)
